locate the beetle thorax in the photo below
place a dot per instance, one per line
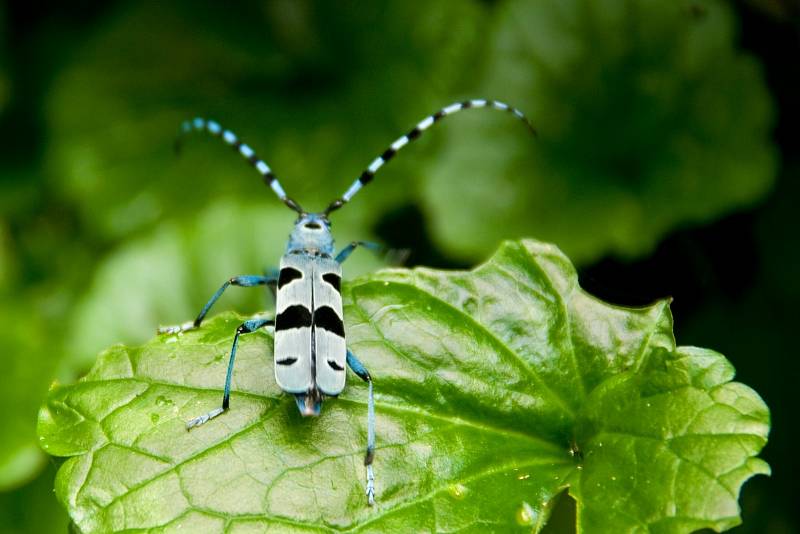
(311, 234)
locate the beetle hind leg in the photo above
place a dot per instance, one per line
(247, 280)
(359, 369)
(370, 455)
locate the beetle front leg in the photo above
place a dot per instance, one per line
(248, 280)
(246, 327)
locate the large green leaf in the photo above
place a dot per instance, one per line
(648, 118)
(497, 389)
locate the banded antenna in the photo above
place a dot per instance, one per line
(199, 125)
(369, 173)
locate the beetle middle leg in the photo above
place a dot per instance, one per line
(246, 327)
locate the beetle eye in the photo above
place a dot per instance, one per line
(313, 225)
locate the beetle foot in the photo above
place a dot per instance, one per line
(197, 421)
(370, 486)
(176, 329)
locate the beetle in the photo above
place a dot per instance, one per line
(310, 349)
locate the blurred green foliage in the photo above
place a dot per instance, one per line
(634, 103)
(317, 90)
(650, 118)
(4, 81)
(33, 508)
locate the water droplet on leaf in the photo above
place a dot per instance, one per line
(457, 491)
(525, 514)
(470, 305)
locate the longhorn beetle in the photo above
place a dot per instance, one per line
(310, 350)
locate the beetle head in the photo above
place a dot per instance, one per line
(312, 232)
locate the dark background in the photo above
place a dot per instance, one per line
(69, 248)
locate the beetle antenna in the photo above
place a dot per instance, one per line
(369, 173)
(199, 124)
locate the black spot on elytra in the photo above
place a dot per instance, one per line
(327, 319)
(296, 316)
(287, 275)
(334, 280)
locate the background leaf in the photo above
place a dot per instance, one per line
(5, 81)
(26, 380)
(497, 389)
(271, 72)
(32, 508)
(634, 102)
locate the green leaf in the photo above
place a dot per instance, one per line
(497, 389)
(634, 105)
